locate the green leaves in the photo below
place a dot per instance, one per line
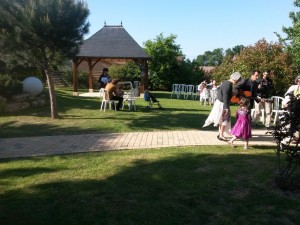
(293, 36)
(41, 33)
(262, 56)
(164, 65)
(42, 29)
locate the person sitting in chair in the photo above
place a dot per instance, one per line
(104, 79)
(294, 90)
(112, 91)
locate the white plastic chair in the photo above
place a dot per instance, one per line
(213, 96)
(189, 91)
(126, 85)
(136, 85)
(196, 93)
(182, 88)
(204, 97)
(175, 90)
(277, 107)
(129, 97)
(106, 100)
(262, 115)
(101, 92)
(136, 92)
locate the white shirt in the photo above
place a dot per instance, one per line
(292, 89)
(104, 80)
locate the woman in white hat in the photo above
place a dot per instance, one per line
(220, 113)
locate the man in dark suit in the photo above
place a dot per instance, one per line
(249, 84)
(264, 92)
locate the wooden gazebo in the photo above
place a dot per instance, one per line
(111, 44)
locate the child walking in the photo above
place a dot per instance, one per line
(242, 127)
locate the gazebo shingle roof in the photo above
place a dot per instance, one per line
(112, 42)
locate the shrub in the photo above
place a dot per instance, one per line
(127, 72)
(2, 103)
(287, 163)
(10, 86)
(82, 78)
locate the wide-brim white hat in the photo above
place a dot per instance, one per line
(235, 76)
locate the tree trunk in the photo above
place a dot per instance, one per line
(52, 95)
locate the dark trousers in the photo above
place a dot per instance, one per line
(120, 101)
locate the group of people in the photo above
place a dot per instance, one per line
(204, 88)
(251, 92)
(110, 86)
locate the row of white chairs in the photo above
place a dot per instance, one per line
(277, 109)
(208, 96)
(184, 90)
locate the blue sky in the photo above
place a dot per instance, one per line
(200, 25)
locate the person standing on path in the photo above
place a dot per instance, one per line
(264, 92)
(242, 127)
(220, 113)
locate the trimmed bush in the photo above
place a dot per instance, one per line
(2, 103)
(10, 86)
(82, 78)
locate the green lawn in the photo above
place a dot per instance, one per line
(167, 186)
(82, 115)
(188, 185)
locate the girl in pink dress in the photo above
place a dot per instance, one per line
(242, 127)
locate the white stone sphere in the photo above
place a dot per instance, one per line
(32, 85)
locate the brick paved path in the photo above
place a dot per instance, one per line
(65, 144)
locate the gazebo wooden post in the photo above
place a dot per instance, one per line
(75, 81)
(90, 75)
(75, 64)
(146, 84)
(144, 78)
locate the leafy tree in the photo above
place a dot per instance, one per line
(164, 66)
(217, 56)
(42, 33)
(262, 56)
(129, 71)
(189, 73)
(211, 58)
(232, 52)
(292, 41)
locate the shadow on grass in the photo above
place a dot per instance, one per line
(148, 121)
(73, 120)
(24, 172)
(179, 189)
(65, 102)
(12, 129)
(166, 121)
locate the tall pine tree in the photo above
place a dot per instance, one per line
(39, 32)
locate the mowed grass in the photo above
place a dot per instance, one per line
(81, 115)
(182, 185)
(167, 186)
